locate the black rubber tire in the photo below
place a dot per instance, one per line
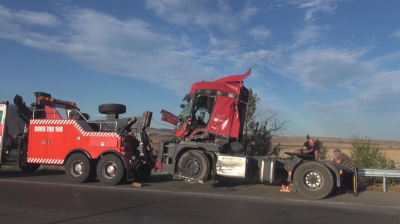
(110, 170)
(93, 174)
(112, 108)
(29, 168)
(194, 164)
(313, 180)
(78, 168)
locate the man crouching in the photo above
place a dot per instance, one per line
(309, 147)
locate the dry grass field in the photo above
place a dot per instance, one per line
(290, 143)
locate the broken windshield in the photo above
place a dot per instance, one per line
(186, 110)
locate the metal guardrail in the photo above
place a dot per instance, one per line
(385, 173)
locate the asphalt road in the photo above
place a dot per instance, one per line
(47, 197)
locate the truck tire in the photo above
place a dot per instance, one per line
(313, 180)
(29, 168)
(78, 168)
(110, 170)
(112, 108)
(194, 164)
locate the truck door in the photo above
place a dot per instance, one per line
(54, 142)
(37, 141)
(45, 141)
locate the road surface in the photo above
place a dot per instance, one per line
(47, 197)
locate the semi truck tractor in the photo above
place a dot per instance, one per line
(207, 143)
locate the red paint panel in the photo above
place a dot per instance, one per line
(169, 117)
(50, 140)
(159, 165)
(103, 142)
(55, 145)
(231, 84)
(52, 113)
(234, 78)
(221, 118)
(235, 123)
(37, 141)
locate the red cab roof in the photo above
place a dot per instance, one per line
(231, 83)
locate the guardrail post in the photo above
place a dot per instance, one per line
(384, 184)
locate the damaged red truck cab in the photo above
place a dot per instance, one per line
(214, 110)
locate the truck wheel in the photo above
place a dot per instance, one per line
(78, 168)
(29, 168)
(313, 180)
(194, 164)
(112, 108)
(110, 170)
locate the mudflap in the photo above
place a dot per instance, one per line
(130, 174)
(143, 170)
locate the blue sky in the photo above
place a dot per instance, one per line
(331, 67)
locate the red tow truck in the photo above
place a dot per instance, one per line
(208, 143)
(55, 132)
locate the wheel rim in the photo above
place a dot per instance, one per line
(109, 169)
(313, 180)
(192, 167)
(77, 168)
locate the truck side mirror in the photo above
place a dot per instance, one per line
(182, 105)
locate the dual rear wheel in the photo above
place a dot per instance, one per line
(109, 169)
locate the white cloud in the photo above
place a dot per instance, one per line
(224, 6)
(12, 23)
(334, 108)
(28, 17)
(248, 12)
(396, 33)
(314, 6)
(326, 68)
(310, 34)
(260, 32)
(120, 47)
(381, 93)
(189, 13)
(378, 95)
